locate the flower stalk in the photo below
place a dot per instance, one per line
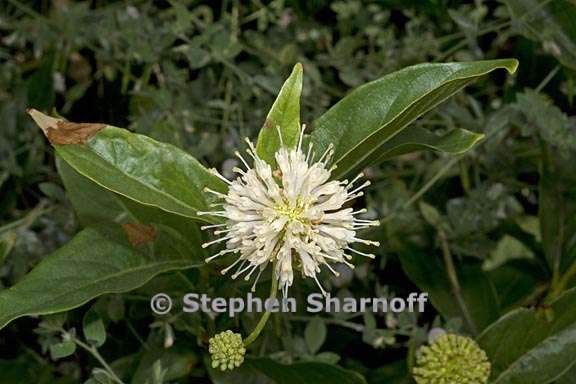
(264, 319)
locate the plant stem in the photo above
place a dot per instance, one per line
(273, 291)
(559, 285)
(264, 319)
(547, 79)
(453, 277)
(94, 352)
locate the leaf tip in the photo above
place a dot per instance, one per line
(45, 122)
(60, 131)
(512, 66)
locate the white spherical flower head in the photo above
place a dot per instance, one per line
(293, 216)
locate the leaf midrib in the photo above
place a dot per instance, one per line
(407, 107)
(170, 197)
(6, 319)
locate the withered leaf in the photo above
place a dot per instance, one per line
(72, 133)
(63, 132)
(139, 234)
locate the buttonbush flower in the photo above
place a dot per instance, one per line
(292, 216)
(452, 359)
(227, 350)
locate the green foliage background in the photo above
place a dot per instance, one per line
(203, 75)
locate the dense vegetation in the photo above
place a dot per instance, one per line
(490, 234)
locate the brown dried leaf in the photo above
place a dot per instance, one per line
(139, 234)
(59, 131)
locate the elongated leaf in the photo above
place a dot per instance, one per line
(99, 260)
(551, 23)
(304, 373)
(92, 203)
(526, 348)
(569, 377)
(415, 139)
(430, 275)
(95, 204)
(364, 121)
(133, 165)
(285, 115)
(557, 208)
(297, 373)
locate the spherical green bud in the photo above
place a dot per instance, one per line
(452, 359)
(227, 350)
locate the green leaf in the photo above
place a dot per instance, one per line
(304, 372)
(526, 348)
(431, 214)
(549, 22)
(93, 328)
(95, 204)
(569, 377)
(285, 114)
(429, 274)
(508, 248)
(415, 139)
(92, 203)
(360, 125)
(26, 369)
(315, 334)
(100, 376)
(98, 261)
(7, 242)
(176, 362)
(297, 373)
(539, 116)
(134, 166)
(557, 208)
(63, 349)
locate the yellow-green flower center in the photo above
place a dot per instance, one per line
(292, 213)
(227, 350)
(452, 359)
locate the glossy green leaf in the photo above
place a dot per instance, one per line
(98, 261)
(415, 139)
(525, 347)
(92, 203)
(95, 204)
(360, 125)
(551, 23)
(285, 116)
(140, 168)
(297, 373)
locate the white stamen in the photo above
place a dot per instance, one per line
(370, 255)
(301, 137)
(215, 172)
(294, 214)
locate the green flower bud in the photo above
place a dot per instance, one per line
(452, 359)
(227, 350)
